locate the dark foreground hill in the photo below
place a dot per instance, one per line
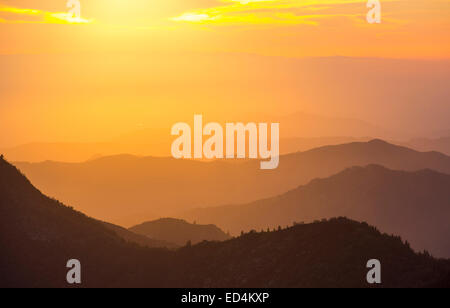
(39, 235)
(331, 253)
(179, 231)
(162, 187)
(414, 205)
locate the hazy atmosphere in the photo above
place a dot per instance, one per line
(224, 144)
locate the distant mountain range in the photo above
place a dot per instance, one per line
(423, 144)
(38, 235)
(151, 188)
(179, 231)
(81, 152)
(415, 205)
(301, 131)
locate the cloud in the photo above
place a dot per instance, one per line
(266, 12)
(20, 15)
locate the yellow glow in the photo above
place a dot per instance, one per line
(65, 17)
(158, 61)
(265, 12)
(19, 11)
(41, 16)
(192, 17)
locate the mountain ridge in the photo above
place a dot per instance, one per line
(38, 235)
(415, 205)
(179, 231)
(148, 183)
(11, 178)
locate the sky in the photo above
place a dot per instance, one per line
(126, 64)
(409, 28)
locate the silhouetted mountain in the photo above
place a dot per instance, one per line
(179, 231)
(39, 235)
(101, 188)
(292, 145)
(14, 182)
(330, 253)
(142, 240)
(415, 205)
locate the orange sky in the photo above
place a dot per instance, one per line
(410, 28)
(132, 63)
